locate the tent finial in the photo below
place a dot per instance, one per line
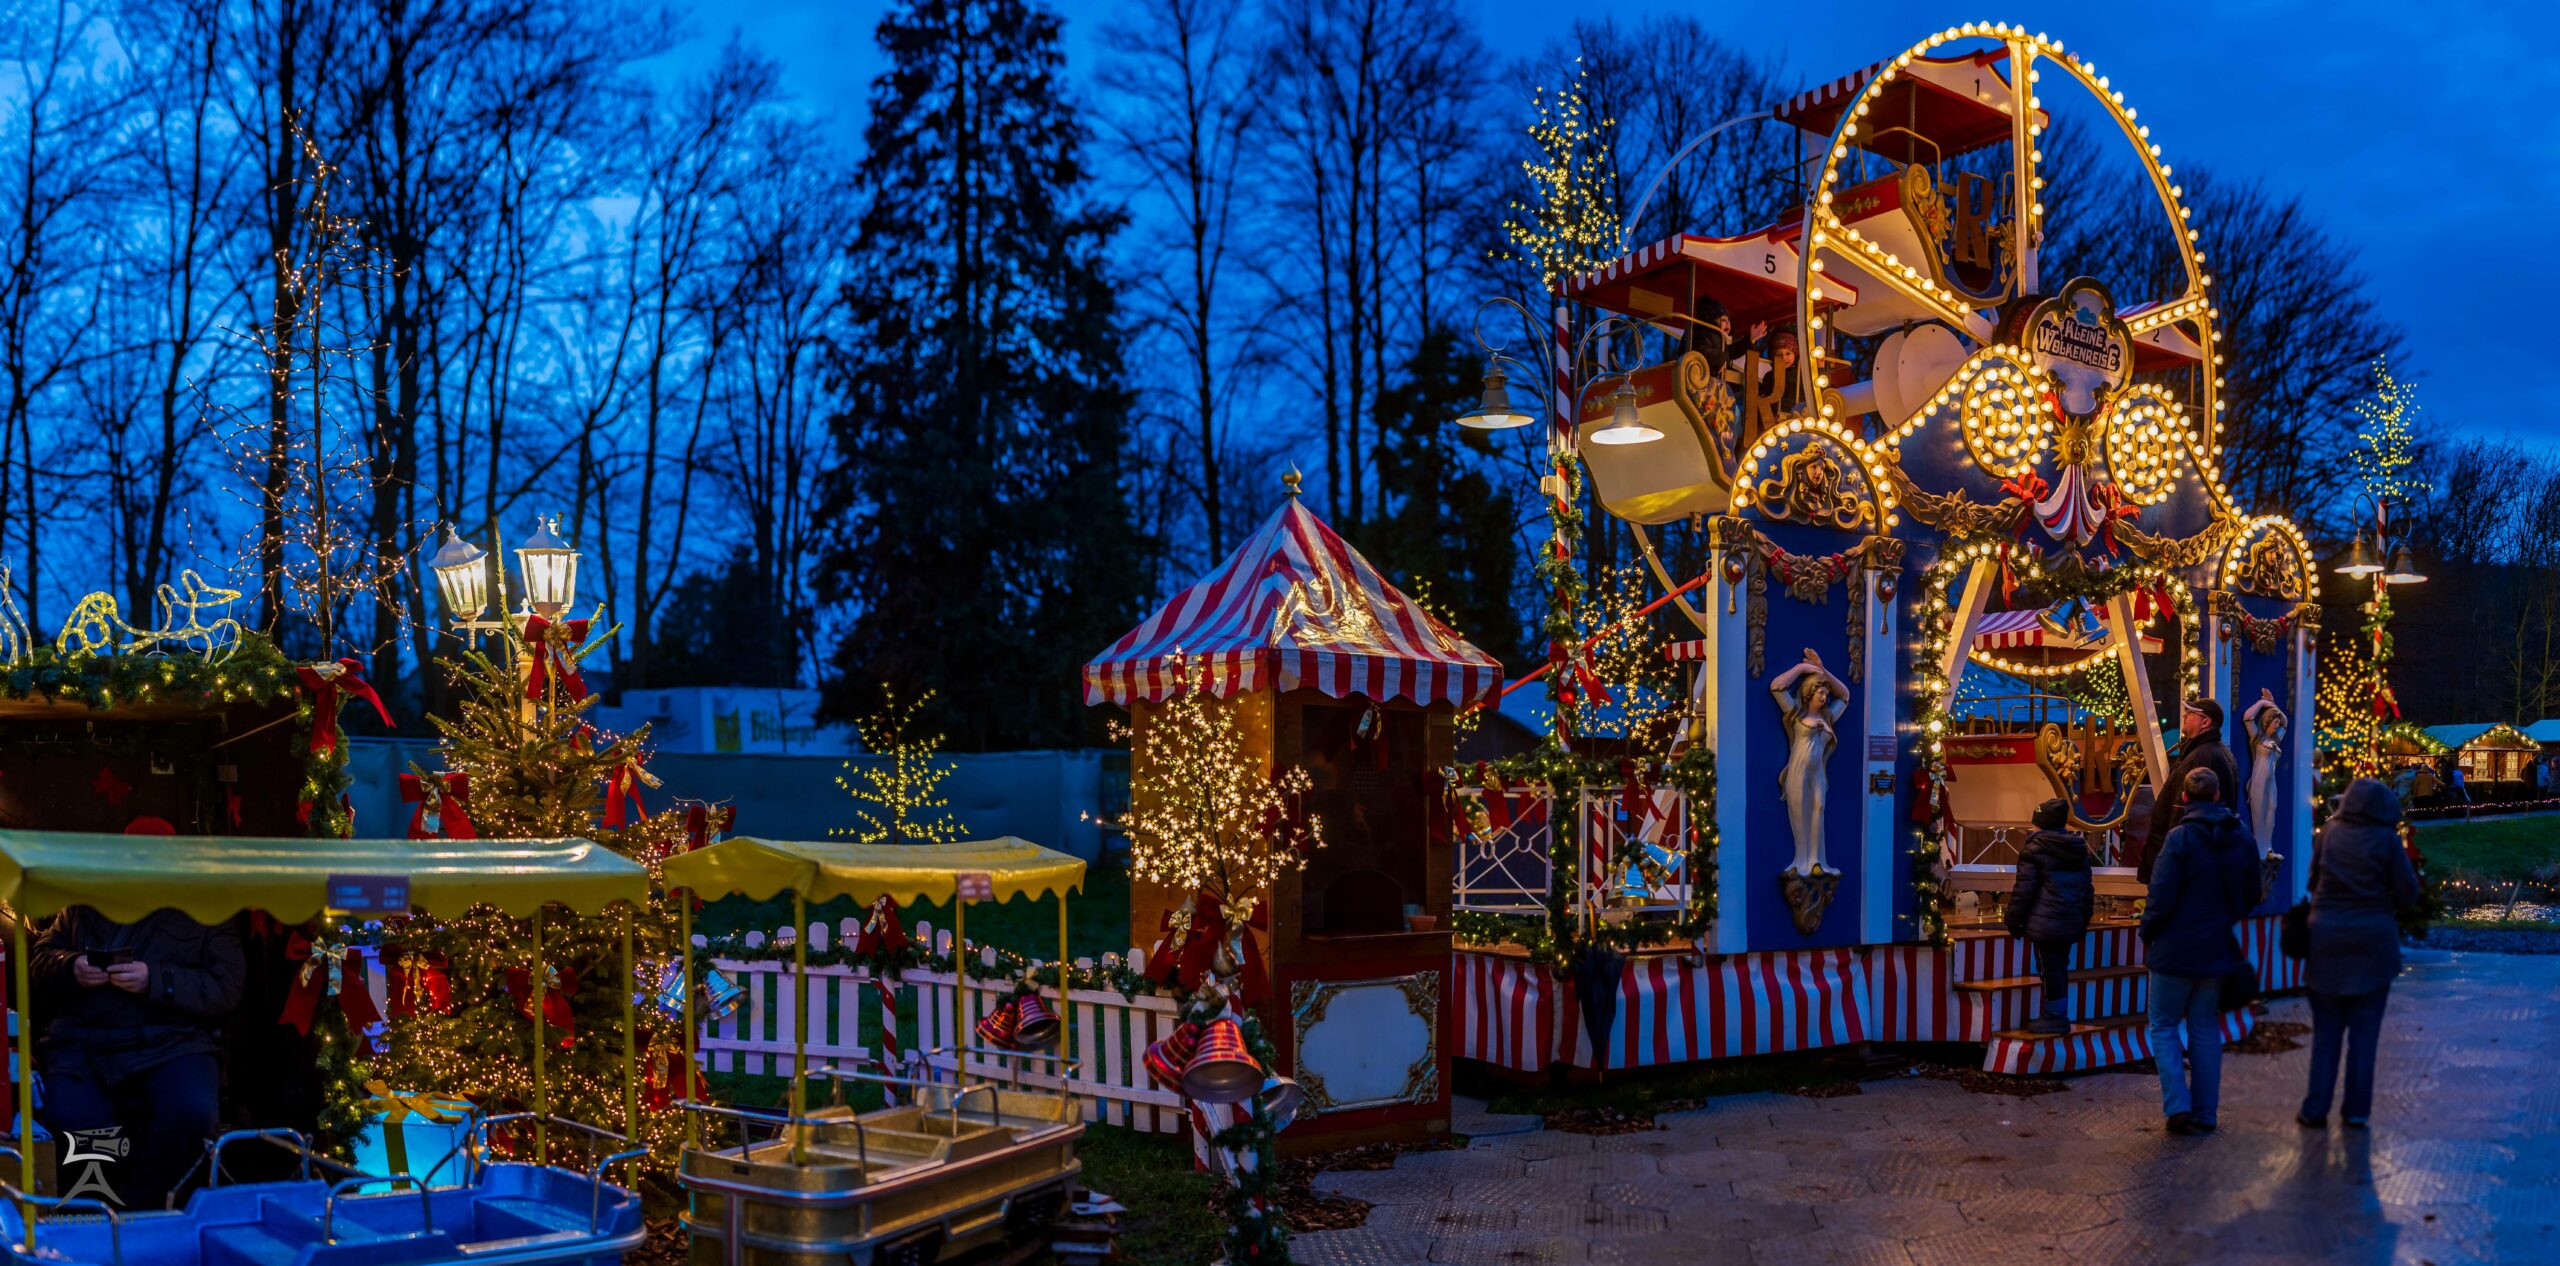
(1290, 480)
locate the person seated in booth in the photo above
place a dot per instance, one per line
(132, 1016)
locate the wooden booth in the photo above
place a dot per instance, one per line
(1333, 672)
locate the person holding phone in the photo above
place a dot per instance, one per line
(133, 1015)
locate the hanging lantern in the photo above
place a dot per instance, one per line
(462, 575)
(550, 570)
(1222, 1070)
(1501, 407)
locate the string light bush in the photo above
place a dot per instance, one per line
(896, 802)
(1204, 815)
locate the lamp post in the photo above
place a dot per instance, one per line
(2401, 569)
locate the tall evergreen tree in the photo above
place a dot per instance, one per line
(1447, 532)
(984, 543)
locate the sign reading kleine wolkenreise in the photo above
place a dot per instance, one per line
(369, 894)
(2076, 337)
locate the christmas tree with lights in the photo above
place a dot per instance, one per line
(2356, 703)
(461, 989)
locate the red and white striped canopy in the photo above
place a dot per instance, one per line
(1293, 608)
(2005, 630)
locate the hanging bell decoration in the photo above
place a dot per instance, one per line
(1166, 1058)
(1034, 1024)
(1280, 1099)
(720, 996)
(1221, 1070)
(998, 1029)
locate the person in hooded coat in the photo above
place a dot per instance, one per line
(2050, 906)
(2361, 881)
(2206, 881)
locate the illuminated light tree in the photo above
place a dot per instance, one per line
(1571, 222)
(2355, 697)
(1204, 816)
(906, 788)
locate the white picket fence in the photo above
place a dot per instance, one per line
(1106, 1034)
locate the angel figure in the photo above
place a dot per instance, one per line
(1812, 699)
(2264, 723)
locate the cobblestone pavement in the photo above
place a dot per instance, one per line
(2458, 1168)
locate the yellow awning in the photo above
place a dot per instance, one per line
(822, 869)
(211, 878)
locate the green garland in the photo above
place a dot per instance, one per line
(1255, 1230)
(1553, 938)
(1935, 717)
(1111, 973)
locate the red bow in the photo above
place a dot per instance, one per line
(621, 788)
(703, 824)
(416, 982)
(556, 1014)
(324, 688)
(1587, 681)
(665, 1075)
(881, 932)
(551, 643)
(320, 977)
(442, 796)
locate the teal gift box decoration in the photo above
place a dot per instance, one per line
(412, 1134)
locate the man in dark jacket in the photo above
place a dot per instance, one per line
(129, 1053)
(2200, 746)
(2207, 880)
(2050, 905)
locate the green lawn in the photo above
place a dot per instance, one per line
(2492, 850)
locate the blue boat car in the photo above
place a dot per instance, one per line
(502, 1212)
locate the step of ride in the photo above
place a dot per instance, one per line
(2030, 982)
(251, 1244)
(2096, 1044)
(1997, 955)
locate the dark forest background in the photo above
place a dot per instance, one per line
(285, 284)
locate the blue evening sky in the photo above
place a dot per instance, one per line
(2419, 133)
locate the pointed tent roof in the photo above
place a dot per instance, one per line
(1294, 608)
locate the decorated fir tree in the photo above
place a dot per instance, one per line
(461, 989)
(897, 795)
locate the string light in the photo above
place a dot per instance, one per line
(905, 789)
(1571, 224)
(1203, 816)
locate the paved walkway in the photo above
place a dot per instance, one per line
(2459, 1168)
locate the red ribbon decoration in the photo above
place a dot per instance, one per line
(702, 822)
(622, 787)
(551, 642)
(415, 982)
(1184, 965)
(325, 700)
(1588, 681)
(881, 933)
(312, 983)
(556, 1014)
(666, 1068)
(443, 795)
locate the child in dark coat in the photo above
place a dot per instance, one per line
(2050, 907)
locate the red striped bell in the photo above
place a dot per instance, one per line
(1165, 1058)
(1222, 1070)
(1034, 1024)
(998, 1028)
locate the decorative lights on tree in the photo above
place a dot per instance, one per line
(2356, 700)
(1203, 815)
(901, 793)
(1571, 222)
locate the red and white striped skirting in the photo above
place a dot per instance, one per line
(2105, 1048)
(1671, 1009)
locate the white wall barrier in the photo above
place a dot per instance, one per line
(1106, 1033)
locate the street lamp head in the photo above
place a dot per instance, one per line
(2404, 568)
(1625, 426)
(1501, 408)
(462, 574)
(2360, 561)
(550, 570)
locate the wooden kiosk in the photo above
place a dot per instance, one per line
(1338, 674)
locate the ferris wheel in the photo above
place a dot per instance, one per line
(1894, 346)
